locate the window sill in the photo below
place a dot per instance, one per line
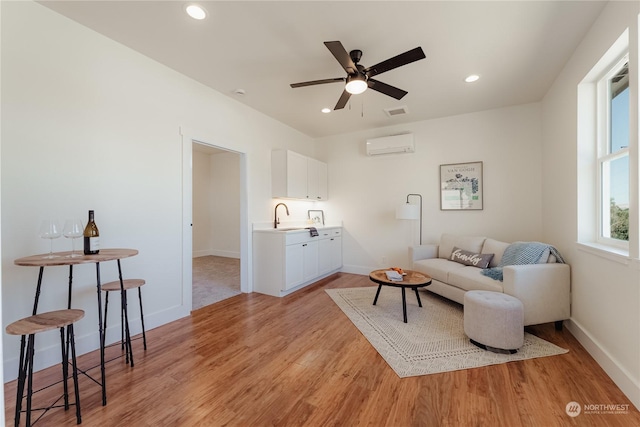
(618, 255)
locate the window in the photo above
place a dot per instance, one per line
(613, 155)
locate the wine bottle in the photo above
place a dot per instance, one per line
(91, 237)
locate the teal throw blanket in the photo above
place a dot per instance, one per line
(520, 253)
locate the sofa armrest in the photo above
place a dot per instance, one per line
(544, 289)
(423, 252)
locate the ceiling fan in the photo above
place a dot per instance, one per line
(360, 78)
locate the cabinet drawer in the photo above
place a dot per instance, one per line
(330, 232)
(295, 238)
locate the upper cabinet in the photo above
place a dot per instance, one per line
(295, 176)
(316, 179)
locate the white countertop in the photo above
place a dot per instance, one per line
(289, 228)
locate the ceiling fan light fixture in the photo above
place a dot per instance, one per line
(356, 84)
(326, 110)
(472, 78)
(359, 78)
(196, 11)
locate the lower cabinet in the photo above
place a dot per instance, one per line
(330, 250)
(301, 260)
(284, 262)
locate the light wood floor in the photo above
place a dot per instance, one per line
(255, 360)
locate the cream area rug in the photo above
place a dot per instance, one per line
(432, 341)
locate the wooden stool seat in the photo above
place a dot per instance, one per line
(126, 284)
(44, 322)
(124, 317)
(29, 327)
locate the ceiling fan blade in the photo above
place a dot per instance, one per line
(339, 52)
(318, 82)
(389, 90)
(344, 98)
(395, 62)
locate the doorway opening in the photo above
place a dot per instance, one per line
(216, 205)
(189, 137)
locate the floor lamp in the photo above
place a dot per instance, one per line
(410, 211)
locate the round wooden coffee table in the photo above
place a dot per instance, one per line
(412, 280)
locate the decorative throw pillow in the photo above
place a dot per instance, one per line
(470, 258)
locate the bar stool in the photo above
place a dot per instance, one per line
(124, 318)
(30, 326)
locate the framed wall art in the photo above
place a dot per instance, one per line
(316, 216)
(461, 186)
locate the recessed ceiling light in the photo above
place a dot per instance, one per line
(196, 12)
(326, 110)
(472, 78)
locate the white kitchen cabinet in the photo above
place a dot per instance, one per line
(288, 174)
(309, 261)
(329, 250)
(323, 181)
(316, 180)
(293, 266)
(295, 176)
(285, 261)
(301, 263)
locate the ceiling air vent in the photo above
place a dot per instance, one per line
(396, 111)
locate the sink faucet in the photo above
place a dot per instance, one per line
(276, 220)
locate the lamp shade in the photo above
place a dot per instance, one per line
(408, 211)
(356, 84)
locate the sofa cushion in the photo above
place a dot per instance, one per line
(468, 243)
(470, 258)
(470, 279)
(437, 268)
(496, 248)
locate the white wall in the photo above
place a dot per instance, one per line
(202, 204)
(225, 196)
(605, 311)
(89, 124)
(216, 204)
(364, 191)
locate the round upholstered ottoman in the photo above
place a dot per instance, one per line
(493, 320)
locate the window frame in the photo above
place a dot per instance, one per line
(604, 157)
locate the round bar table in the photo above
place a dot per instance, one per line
(64, 259)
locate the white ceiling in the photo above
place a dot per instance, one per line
(517, 47)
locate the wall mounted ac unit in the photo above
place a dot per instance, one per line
(391, 144)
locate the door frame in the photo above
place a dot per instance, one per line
(190, 136)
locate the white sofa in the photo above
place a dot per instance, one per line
(544, 289)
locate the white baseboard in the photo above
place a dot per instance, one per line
(50, 355)
(620, 376)
(358, 269)
(216, 252)
(225, 254)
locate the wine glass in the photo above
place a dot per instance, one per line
(49, 229)
(73, 229)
